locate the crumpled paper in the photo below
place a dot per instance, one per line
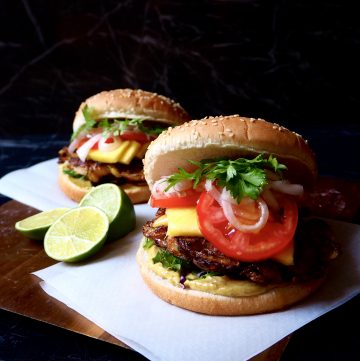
(108, 290)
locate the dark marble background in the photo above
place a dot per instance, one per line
(292, 62)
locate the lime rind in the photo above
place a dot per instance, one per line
(125, 220)
(116, 204)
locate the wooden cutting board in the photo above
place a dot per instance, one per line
(21, 292)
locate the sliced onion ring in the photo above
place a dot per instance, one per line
(73, 145)
(159, 187)
(109, 147)
(287, 187)
(84, 150)
(213, 190)
(178, 190)
(226, 202)
(270, 199)
(234, 221)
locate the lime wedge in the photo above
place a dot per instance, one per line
(112, 200)
(76, 235)
(35, 227)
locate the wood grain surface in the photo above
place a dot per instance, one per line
(20, 291)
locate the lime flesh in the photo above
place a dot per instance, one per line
(77, 235)
(35, 227)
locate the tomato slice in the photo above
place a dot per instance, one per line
(137, 136)
(245, 246)
(187, 199)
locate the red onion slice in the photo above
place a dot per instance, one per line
(177, 190)
(287, 187)
(84, 150)
(209, 186)
(234, 221)
(109, 147)
(226, 201)
(73, 145)
(270, 199)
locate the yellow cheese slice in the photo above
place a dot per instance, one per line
(130, 152)
(123, 154)
(141, 152)
(286, 256)
(162, 221)
(183, 222)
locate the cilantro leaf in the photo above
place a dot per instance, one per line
(241, 177)
(73, 174)
(90, 122)
(170, 261)
(117, 127)
(114, 127)
(148, 243)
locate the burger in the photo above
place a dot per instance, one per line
(111, 132)
(229, 236)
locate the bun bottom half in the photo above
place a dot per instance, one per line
(76, 189)
(275, 299)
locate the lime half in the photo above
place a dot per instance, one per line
(35, 227)
(116, 204)
(77, 234)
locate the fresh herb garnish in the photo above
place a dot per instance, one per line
(73, 174)
(89, 122)
(148, 243)
(170, 261)
(118, 127)
(241, 177)
(114, 127)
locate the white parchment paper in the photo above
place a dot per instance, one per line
(109, 291)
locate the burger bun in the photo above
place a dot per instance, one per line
(274, 299)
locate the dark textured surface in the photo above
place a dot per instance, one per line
(292, 62)
(25, 339)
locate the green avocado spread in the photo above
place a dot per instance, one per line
(219, 285)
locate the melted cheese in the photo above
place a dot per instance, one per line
(286, 256)
(183, 222)
(125, 153)
(161, 221)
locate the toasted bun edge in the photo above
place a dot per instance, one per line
(275, 299)
(137, 194)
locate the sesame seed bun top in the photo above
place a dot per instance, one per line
(132, 103)
(230, 137)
